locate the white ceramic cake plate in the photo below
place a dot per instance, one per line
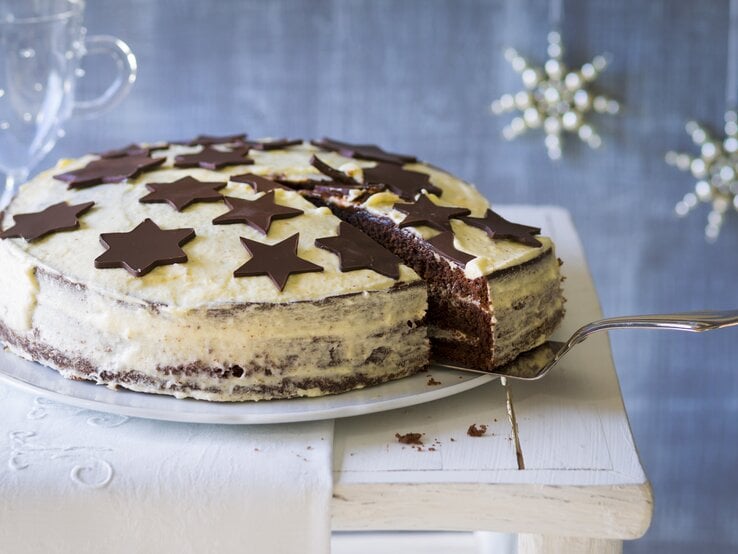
(47, 383)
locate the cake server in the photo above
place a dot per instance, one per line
(536, 363)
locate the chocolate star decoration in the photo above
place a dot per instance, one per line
(334, 173)
(276, 144)
(404, 183)
(499, 228)
(146, 247)
(257, 213)
(109, 170)
(443, 244)
(355, 250)
(209, 140)
(210, 158)
(183, 192)
(363, 151)
(133, 150)
(278, 261)
(424, 212)
(59, 217)
(259, 184)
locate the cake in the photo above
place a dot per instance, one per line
(229, 269)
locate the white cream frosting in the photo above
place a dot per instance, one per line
(18, 281)
(207, 276)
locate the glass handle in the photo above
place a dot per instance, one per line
(119, 88)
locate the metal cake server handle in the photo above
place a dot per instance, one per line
(536, 363)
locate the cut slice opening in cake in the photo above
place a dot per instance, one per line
(481, 322)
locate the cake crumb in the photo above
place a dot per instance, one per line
(452, 439)
(432, 381)
(257, 450)
(431, 449)
(409, 438)
(475, 431)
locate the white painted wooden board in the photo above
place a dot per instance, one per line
(582, 474)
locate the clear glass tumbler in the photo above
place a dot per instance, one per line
(41, 45)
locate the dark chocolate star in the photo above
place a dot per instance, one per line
(257, 213)
(425, 212)
(276, 144)
(334, 173)
(278, 261)
(59, 217)
(499, 228)
(259, 184)
(210, 158)
(183, 192)
(404, 183)
(443, 244)
(144, 248)
(109, 170)
(363, 151)
(355, 250)
(209, 140)
(133, 150)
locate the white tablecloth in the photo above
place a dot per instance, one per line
(76, 481)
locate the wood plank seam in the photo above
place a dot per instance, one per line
(513, 423)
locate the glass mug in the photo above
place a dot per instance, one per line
(41, 45)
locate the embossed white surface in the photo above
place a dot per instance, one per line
(74, 480)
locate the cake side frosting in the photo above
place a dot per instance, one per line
(246, 352)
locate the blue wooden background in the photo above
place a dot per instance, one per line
(417, 77)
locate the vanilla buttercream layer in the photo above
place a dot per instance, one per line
(453, 335)
(223, 352)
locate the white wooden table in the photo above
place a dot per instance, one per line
(582, 488)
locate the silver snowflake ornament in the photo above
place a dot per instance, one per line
(555, 98)
(716, 171)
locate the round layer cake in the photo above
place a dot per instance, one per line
(221, 269)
